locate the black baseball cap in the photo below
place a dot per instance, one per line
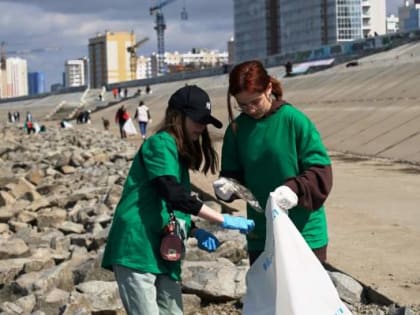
(195, 103)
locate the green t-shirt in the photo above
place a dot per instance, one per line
(134, 238)
(267, 151)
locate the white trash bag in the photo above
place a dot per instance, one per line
(129, 127)
(287, 278)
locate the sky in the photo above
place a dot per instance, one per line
(63, 28)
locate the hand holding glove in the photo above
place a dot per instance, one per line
(206, 240)
(237, 223)
(285, 198)
(224, 189)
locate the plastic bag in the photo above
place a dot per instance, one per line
(245, 194)
(129, 127)
(287, 278)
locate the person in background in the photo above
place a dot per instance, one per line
(156, 189)
(29, 126)
(120, 118)
(29, 116)
(272, 146)
(143, 117)
(148, 89)
(115, 93)
(288, 67)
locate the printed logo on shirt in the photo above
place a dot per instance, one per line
(208, 105)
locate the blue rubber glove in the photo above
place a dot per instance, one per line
(206, 240)
(237, 223)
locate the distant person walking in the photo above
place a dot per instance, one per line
(288, 68)
(29, 116)
(148, 89)
(17, 116)
(143, 117)
(120, 118)
(29, 126)
(115, 93)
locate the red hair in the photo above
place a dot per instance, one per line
(252, 77)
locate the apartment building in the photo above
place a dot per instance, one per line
(14, 78)
(409, 16)
(392, 24)
(373, 18)
(36, 83)
(75, 72)
(269, 27)
(192, 60)
(144, 67)
(109, 58)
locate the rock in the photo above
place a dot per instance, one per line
(6, 199)
(191, 304)
(218, 280)
(349, 289)
(13, 247)
(102, 295)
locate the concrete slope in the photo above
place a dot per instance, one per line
(372, 109)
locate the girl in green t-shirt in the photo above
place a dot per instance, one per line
(273, 147)
(158, 187)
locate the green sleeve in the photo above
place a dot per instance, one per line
(160, 156)
(310, 148)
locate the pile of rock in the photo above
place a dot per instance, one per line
(58, 191)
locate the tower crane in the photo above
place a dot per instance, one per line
(133, 56)
(160, 29)
(2, 56)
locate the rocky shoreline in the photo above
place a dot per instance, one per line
(58, 190)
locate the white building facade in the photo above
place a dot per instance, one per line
(144, 67)
(192, 60)
(74, 73)
(392, 24)
(374, 18)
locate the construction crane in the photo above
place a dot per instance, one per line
(2, 56)
(133, 56)
(160, 29)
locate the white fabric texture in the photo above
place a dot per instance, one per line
(142, 113)
(287, 278)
